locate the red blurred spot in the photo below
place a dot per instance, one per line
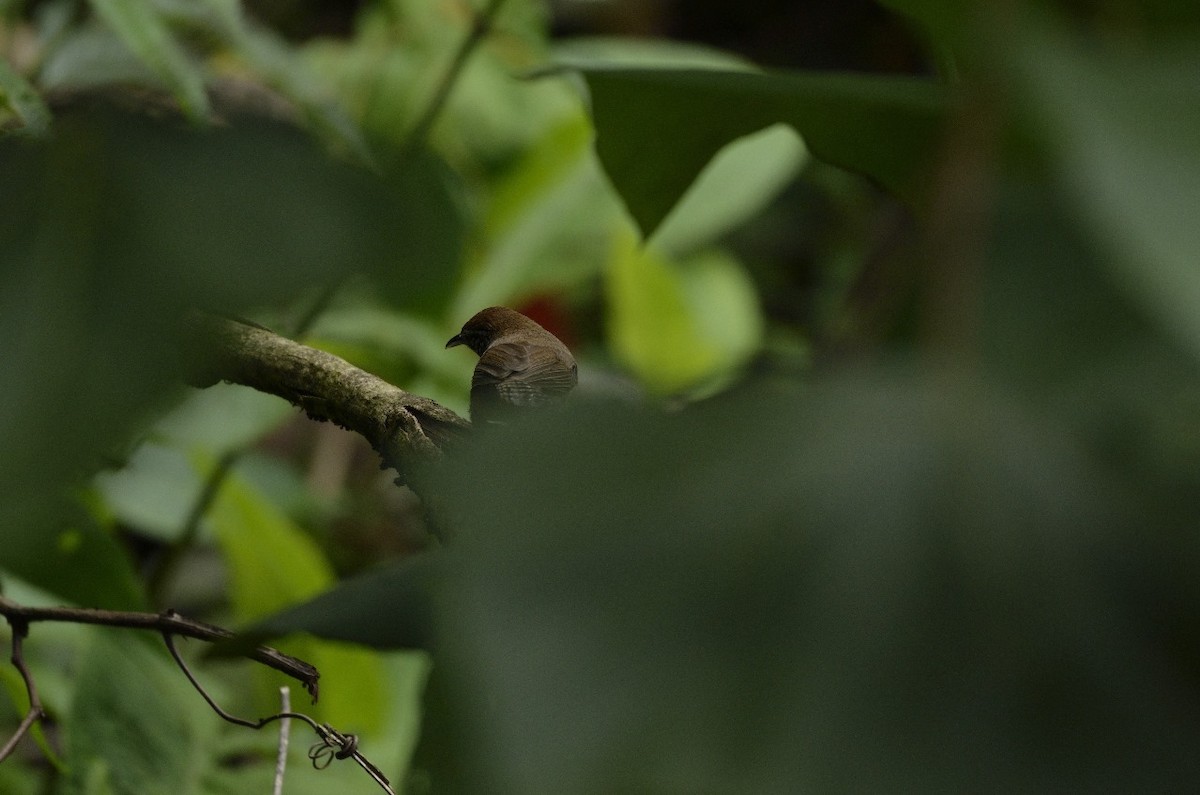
(549, 311)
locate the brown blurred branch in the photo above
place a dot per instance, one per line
(406, 430)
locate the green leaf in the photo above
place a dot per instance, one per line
(656, 129)
(1121, 129)
(135, 724)
(351, 610)
(873, 580)
(222, 417)
(677, 324)
(92, 56)
(24, 100)
(587, 52)
(143, 30)
(945, 23)
(112, 228)
(154, 492)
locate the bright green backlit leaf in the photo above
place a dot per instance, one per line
(678, 324)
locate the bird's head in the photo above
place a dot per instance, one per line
(487, 325)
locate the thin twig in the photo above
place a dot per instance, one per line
(479, 29)
(168, 622)
(20, 628)
(333, 744)
(285, 732)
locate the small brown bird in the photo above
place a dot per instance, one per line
(520, 364)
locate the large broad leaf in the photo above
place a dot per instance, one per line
(114, 227)
(732, 188)
(52, 544)
(879, 582)
(351, 610)
(135, 724)
(1122, 130)
(657, 128)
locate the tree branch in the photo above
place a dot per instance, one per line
(407, 430)
(169, 623)
(332, 745)
(20, 628)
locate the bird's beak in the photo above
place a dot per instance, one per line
(457, 339)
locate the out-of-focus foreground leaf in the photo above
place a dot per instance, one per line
(352, 610)
(110, 230)
(889, 582)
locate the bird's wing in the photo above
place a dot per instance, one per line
(523, 374)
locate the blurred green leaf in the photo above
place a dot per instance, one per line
(141, 27)
(1122, 128)
(154, 492)
(944, 22)
(350, 611)
(24, 100)
(677, 324)
(1058, 327)
(222, 417)
(91, 55)
(135, 724)
(387, 337)
(883, 582)
(657, 128)
(113, 228)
